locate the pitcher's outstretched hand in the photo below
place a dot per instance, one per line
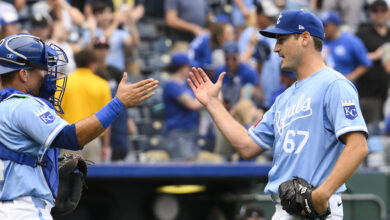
(203, 88)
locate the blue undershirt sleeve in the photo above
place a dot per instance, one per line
(67, 139)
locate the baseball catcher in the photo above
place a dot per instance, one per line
(73, 172)
(295, 196)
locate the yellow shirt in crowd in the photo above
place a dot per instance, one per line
(85, 94)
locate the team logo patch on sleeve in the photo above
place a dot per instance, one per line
(349, 108)
(45, 116)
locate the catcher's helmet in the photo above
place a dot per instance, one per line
(25, 51)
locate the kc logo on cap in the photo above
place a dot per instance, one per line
(296, 22)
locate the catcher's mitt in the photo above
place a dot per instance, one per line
(71, 183)
(295, 196)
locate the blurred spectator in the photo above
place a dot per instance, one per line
(187, 19)
(105, 23)
(237, 75)
(258, 51)
(240, 80)
(266, 13)
(350, 11)
(242, 14)
(287, 79)
(373, 86)
(203, 46)
(51, 31)
(9, 20)
(137, 6)
(60, 10)
(217, 55)
(123, 124)
(181, 115)
(86, 93)
(59, 37)
(296, 4)
(251, 212)
(344, 52)
(41, 26)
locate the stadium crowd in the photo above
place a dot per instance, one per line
(163, 39)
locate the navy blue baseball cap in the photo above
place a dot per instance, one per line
(330, 17)
(180, 59)
(296, 22)
(231, 47)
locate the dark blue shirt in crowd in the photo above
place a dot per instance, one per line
(245, 73)
(233, 82)
(178, 117)
(346, 53)
(200, 51)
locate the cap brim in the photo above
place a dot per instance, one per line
(5, 69)
(272, 32)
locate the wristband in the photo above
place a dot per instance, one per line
(110, 112)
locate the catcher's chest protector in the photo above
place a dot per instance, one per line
(48, 164)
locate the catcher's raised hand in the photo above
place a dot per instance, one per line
(133, 94)
(203, 88)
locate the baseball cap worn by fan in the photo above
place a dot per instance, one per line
(8, 17)
(376, 5)
(180, 59)
(330, 17)
(296, 22)
(231, 47)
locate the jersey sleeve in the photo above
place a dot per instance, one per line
(263, 131)
(342, 108)
(38, 121)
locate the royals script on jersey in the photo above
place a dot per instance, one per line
(304, 125)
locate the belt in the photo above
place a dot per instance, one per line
(39, 203)
(7, 201)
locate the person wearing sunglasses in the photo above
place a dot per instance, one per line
(373, 85)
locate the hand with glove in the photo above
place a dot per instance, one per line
(73, 171)
(296, 199)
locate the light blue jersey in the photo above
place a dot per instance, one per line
(28, 125)
(304, 125)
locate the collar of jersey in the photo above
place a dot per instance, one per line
(7, 92)
(298, 84)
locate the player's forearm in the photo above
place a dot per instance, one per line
(353, 154)
(234, 132)
(88, 129)
(91, 127)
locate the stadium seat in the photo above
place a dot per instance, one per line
(209, 157)
(155, 156)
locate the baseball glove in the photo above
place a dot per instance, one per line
(73, 171)
(295, 196)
